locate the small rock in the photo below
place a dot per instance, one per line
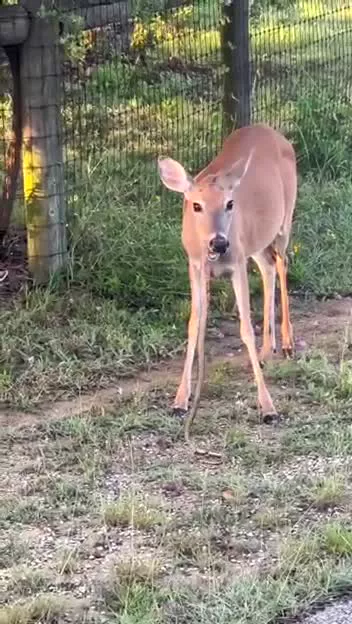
(301, 344)
(172, 489)
(163, 443)
(228, 495)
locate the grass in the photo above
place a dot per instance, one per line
(338, 539)
(124, 301)
(27, 581)
(329, 492)
(57, 343)
(106, 515)
(132, 511)
(44, 608)
(134, 603)
(165, 535)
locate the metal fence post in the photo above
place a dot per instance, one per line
(236, 58)
(43, 169)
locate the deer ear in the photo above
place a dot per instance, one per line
(174, 176)
(234, 175)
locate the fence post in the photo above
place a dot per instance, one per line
(236, 58)
(42, 154)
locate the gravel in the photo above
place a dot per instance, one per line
(338, 613)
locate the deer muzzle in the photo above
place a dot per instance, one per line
(217, 247)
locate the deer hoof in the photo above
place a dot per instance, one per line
(179, 412)
(288, 352)
(272, 418)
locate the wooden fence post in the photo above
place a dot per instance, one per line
(236, 58)
(42, 154)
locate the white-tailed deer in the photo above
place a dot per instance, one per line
(240, 206)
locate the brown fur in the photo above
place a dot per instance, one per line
(256, 169)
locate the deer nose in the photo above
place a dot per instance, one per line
(219, 244)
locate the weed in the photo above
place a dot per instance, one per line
(338, 539)
(12, 551)
(272, 518)
(135, 604)
(67, 561)
(130, 591)
(329, 492)
(21, 511)
(200, 549)
(240, 445)
(135, 570)
(283, 371)
(45, 608)
(26, 581)
(70, 496)
(135, 511)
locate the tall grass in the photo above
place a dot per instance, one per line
(125, 245)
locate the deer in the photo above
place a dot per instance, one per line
(239, 206)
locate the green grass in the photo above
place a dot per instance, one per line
(126, 298)
(329, 492)
(129, 297)
(62, 343)
(132, 510)
(110, 505)
(164, 533)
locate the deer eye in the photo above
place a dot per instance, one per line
(229, 205)
(197, 207)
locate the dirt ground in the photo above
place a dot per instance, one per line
(317, 324)
(106, 515)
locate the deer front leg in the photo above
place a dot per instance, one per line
(183, 394)
(240, 285)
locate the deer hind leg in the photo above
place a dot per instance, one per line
(286, 326)
(280, 245)
(180, 406)
(240, 285)
(266, 264)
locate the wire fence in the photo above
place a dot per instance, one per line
(151, 88)
(301, 53)
(140, 79)
(158, 88)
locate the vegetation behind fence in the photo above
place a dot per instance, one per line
(140, 79)
(159, 87)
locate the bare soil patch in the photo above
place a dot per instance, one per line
(317, 324)
(106, 516)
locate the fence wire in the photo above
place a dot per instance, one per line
(150, 85)
(145, 78)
